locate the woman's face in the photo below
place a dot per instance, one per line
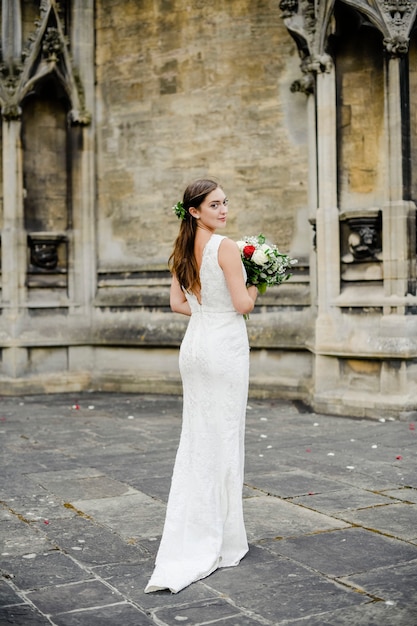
(212, 212)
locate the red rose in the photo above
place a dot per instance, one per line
(248, 251)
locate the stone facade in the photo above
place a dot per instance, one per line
(357, 60)
(110, 108)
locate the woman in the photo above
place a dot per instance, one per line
(204, 526)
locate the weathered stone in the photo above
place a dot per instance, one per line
(340, 553)
(47, 569)
(68, 597)
(269, 517)
(105, 547)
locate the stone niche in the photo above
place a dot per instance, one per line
(46, 180)
(361, 247)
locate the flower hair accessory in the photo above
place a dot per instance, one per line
(179, 211)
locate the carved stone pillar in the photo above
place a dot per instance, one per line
(397, 213)
(13, 237)
(328, 250)
(83, 177)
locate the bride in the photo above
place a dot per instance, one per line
(204, 527)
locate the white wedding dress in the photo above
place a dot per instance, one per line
(204, 527)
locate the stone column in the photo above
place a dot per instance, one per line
(312, 188)
(397, 213)
(328, 249)
(13, 246)
(83, 284)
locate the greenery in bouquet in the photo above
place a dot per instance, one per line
(265, 265)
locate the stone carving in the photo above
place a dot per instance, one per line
(398, 14)
(44, 53)
(397, 46)
(313, 223)
(305, 84)
(310, 25)
(364, 240)
(288, 8)
(52, 45)
(11, 112)
(44, 250)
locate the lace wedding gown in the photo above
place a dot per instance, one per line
(204, 526)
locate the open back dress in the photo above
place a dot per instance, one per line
(204, 527)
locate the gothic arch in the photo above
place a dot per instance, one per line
(44, 53)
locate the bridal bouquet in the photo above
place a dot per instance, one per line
(265, 265)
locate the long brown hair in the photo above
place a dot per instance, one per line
(182, 261)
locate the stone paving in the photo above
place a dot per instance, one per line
(330, 507)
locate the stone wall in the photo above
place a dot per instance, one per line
(189, 89)
(151, 95)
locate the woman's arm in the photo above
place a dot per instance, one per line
(177, 299)
(243, 297)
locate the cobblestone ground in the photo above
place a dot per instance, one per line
(330, 509)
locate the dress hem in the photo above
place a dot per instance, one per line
(151, 588)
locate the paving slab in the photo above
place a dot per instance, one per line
(8, 595)
(19, 538)
(259, 568)
(85, 487)
(346, 551)
(345, 499)
(395, 519)
(407, 494)
(132, 515)
(73, 596)
(372, 614)
(389, 583)
(131, 579)
(293, 599)
(329, 504)
(92, 544)
(42, 570)
(123, 614)
(268, 517)
(22, 615)
(197, 612)
(291, 483)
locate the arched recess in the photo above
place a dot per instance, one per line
(46, 164)
(46, 183)
(357, 50)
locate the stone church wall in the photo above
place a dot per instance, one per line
(187, 90)
(129, 101)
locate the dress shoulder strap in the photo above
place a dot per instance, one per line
(215, 242)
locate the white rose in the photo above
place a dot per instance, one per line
(241, 245)
(265, 248)
(259, 257)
